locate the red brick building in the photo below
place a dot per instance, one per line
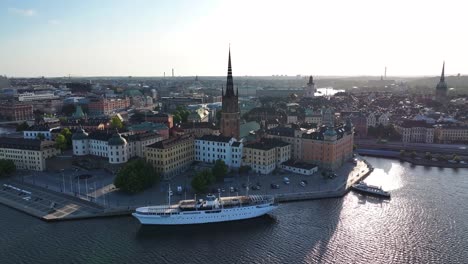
(106, 106)
(16, 111)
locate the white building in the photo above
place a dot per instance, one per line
(27, 97)
(416, 131)
(373, 120)
(34, 131)
(210, 148)
(299, 167)
(117, 148)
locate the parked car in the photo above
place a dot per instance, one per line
(179, 190)
(286, 180)
(255, 187)
(233, 189)
(244, 185)
(259, 184)
(275, 186)
(302, 183)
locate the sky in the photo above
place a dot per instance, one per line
(150, 37)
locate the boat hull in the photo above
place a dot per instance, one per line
(382, 195)
(206, 217)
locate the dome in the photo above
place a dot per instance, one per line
(116, 140)
(80, 135)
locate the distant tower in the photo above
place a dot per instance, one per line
(441, 88)
(230, 115)
(310, 89)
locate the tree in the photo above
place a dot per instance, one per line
(116, 122)
(202, 180)
(219, 170)
(428, 156)
(136, 176)
(68, 136)
(61, 142)
(7, 167)
(456, 158)
(68, 109)
(177, 119)
(40, 136)
(413, 154)
(21, 127)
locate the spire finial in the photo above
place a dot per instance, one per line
(442, 76)
(229, 82)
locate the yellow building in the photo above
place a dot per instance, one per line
(172, 156)
(27, 154)
(451, 134)
(263, 157)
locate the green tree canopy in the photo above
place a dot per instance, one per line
(40, 136)
(220, 170)
(21, 127)
(68, 136)
(136, 176)
(7, 167)
(116, 122)
(61, 142)
(202, 180)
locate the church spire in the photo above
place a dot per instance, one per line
(442, 76)
(230, 81)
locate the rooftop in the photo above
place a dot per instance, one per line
(27, 144)
(215, 138)
(167, 143)
(299, 164)
(267, 144)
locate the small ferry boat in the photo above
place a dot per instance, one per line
(362, 187)
(210, 210)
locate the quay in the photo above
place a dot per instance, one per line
(53, 205)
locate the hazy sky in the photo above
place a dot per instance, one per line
(146, 38)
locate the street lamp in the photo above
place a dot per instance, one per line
(63, 180)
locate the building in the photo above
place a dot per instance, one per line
(299, 167)
(288, 135)
(170, 104)
(172, 156)
(415, 131)
(27, 154)
(144, 127)
(310, 90)
(441, 88)
(198, 129)
(34, 131)
(198, 115)
(265, 156)
(313, 117)
(210, 148)
(113, 146)
(328, 147)
(27, 97)
(374, 120)
(106, 106)
(162, 118)
(230, 115)
(451, 134)
(16, 111)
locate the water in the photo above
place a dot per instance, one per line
(328, 91)
(425, 222)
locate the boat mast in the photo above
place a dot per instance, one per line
(169, 193)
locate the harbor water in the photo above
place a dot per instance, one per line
(426, 221)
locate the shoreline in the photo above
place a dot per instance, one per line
(22, 206)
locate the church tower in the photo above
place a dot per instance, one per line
(441, 88)
(310, 89)
(230, 115)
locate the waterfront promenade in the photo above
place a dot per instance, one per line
(79, 194)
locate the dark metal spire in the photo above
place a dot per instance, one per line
(442, 76)
(230, 81)
(311, 80)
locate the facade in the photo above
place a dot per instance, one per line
(170, 103)
(27, 97)
(310, 90)
(265, 156)
(415, 131)
(144, 127)
(16, 111)
(210, 148)
(230, 114)
(115, 147)
(451, 134)
(441, 88)
(106, 106)
(172, 156)
(199, 129)
(313, 117)
(27, 154)
(198, 115)
(162, 118)
(288, 135)
(299, 167)
(373, 120)
(328, 147)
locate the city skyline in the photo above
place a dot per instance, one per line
(117, 38)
